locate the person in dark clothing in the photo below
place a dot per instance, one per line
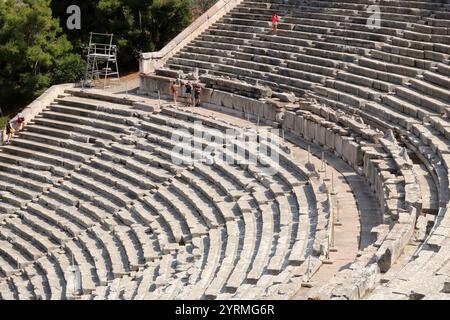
(197, 92)
(188, 91)
(9, 132)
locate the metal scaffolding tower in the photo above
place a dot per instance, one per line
(101, 59)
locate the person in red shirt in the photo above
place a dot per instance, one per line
(20, 121)
(275, 22)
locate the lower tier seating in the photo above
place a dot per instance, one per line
(131, 217)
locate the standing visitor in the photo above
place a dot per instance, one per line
(20, 121)
(275, 20)
(9, 132)
(189, 93)
(197, 92)
(174, 90)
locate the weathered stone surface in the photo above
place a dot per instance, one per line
(285, 97)
(237, 87)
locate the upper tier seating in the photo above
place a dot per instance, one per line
(319, 41)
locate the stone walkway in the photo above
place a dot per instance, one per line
(127, 85)
(354, 211)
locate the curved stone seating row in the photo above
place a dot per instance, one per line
(117, 267)
(21, 277)
(242, 183)
(98, 218)
(57, 142)
(416, 135)
(232, 288)
(180, 212)
(394, 78)
(426, 275)
(321, 210)
(408, 10)
(181, 209)
(281, 26)
(159, 296)
(35, 237)
(147, 283)
(210, 215)
(142, 285)
(79, 234)
(389, 189)
(59, 220)
(402, 232)
(18, 191)
(121, 259)
(426, 262)
(18, 288)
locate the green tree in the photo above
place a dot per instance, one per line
(167, 19)
(137, 25)
(203, 4)
(32, 47)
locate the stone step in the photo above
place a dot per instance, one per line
(119, 260)
(418, 98)
(45, 161)
(430, 90)
(406, 107)
(65, 143)
(84, 130)
(188, 215)
(101, 124)
(98, 105)
(84, 113)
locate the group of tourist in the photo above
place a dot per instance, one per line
(12, 126)
(190, 91)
